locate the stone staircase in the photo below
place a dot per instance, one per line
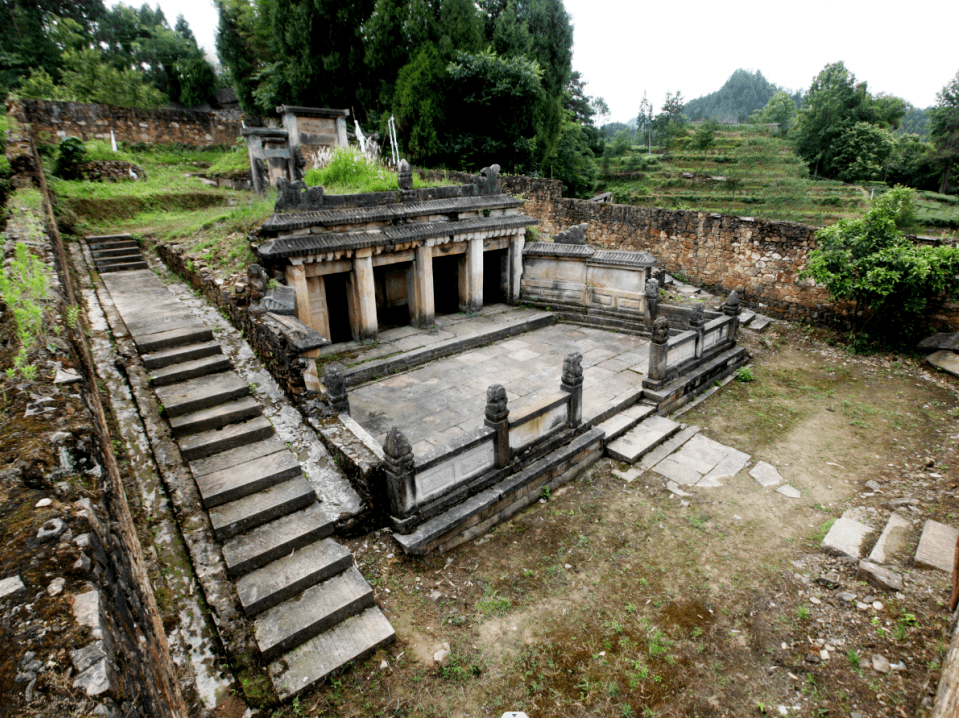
(116, 253)
(312, 610)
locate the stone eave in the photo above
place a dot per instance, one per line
(550, 249)
(397, 210)
(594, 256)
(312, 111)
(623, 258)
(304, 245)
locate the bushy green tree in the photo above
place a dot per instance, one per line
(944, 129)
(890, 280)
(705, 135)
(913, 163)
(743, 93)
(621, 143)
(780, 109)
(862, 152)
(572, 162)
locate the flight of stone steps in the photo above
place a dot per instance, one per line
(312, 610)
(116, 253)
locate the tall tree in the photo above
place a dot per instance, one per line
(944, 129)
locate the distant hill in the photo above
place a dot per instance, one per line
(743, 92)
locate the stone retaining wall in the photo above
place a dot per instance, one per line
(51, 121)
(111, 171)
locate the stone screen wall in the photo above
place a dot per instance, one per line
(52, 121)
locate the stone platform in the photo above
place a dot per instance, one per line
(437, 403)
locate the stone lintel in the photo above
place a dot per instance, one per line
(312, 111)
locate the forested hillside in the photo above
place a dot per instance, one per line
(742, 94)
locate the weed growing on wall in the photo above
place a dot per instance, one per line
(24, 287)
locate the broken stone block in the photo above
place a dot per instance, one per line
(11, 586)
(945, 360)
(765, 474)
(937, 546)
(890, 540)
(879, 576)
(845, 538)
(96, 680)
(790, 491)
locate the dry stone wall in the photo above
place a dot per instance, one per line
(52, 121)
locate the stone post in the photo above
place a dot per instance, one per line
(336, 393)
(404, 175)
(497, 418)
(364, 297)
(731, 309)
(422, 312)
(516, 245)
(400, 483)
(471, 277)
(657, 350)
(652, 303)
(573, 383)
(697, 322)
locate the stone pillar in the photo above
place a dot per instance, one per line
(400, 479)
(697, 322)
(497, 418)
(657, 350)
(573, 383)
(363, 296)
(731, 309)
(422, 312)
(319, 312)
(516, 266)
(336, 393)
(652, 303)
(471, 277)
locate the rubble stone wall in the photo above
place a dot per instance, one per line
(51, 121)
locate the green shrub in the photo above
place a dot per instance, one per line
(71, 155)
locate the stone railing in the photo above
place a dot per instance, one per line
(417, 489)
(674, 352)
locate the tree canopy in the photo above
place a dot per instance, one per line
(743, 93)
(944, 129)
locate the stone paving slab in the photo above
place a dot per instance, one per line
(317, 609)
(765, 474)
(312, 662)
(667, 448)
(891, 539)
(789, 491)
(284, 578)
(845, 538)
(937, 546)
(701, 461)
(946, 360)
(759, 323)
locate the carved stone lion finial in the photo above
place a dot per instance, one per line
(661, 330)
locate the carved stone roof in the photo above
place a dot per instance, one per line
(302, 245)
(383, 207)
(553, 249)
(312, 111)
(631, 259)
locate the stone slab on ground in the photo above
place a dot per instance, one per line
(746, 316)
(879, 576)
(233, 518)
(765, 474)
(11, 586)
(235, 482)
(937, 546)
(789, 491)
(317, 609)
(208, 443)
(891, 539)
(845, 538)
(202, 393)
(642, 439)
(313, 661)
(702, 462)
(667, 447)
(284, 578)
(947, 341)
(946, 360)
(759, 323)
(276, 539)
(176, 355)
(191, 369)
(216, 417)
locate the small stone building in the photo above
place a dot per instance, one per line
(360, 263)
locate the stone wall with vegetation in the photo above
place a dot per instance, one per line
(51, 121)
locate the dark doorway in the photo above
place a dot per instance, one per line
(446, 289)
(495, 276)
(392, 303)
(337, 307)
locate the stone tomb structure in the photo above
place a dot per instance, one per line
(359, 262)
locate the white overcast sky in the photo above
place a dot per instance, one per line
(622, 48)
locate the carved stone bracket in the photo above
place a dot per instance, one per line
(488, 182)
(573, 383)
(497, 418)
(297, 197)
(651, 292)
(574, 235)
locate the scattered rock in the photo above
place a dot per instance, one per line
(11, 586)
(96, 680)
(765, 474)
(873, 486)
(904, 501)
(43, 503)
(55, 587)
(880, 664)
(442, 657)
(436, 595)
(879, 576)
(789, 491)
(845, 538)
(51, 529)
(846, 596)
(66, 376)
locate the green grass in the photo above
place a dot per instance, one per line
(351, 172)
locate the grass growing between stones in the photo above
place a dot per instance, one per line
(616, 599)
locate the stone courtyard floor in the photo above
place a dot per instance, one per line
(434, 404)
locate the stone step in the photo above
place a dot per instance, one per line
(179, 355)
(107, 245)
(745, 317)
(192, 369)
(312, 662)
(275, 539)
(622, 422)
(937, 546)
(234, 457)
(644, 438)
(319, 608)
(667, 447)
(208, 443)
(173, 338)
(284, 578)
(891, 540)
(116, 250)
(244, 514)
(759, 323)
(234, 482)
(600, 411)
(129, 266)
(202, 393)
(216, 417)
(165, 322)
(125, 258)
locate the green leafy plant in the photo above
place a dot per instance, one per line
(71, 155)
(24, 287)
(745, 374)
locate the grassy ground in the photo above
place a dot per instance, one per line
(619, 599)
(761, 177)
